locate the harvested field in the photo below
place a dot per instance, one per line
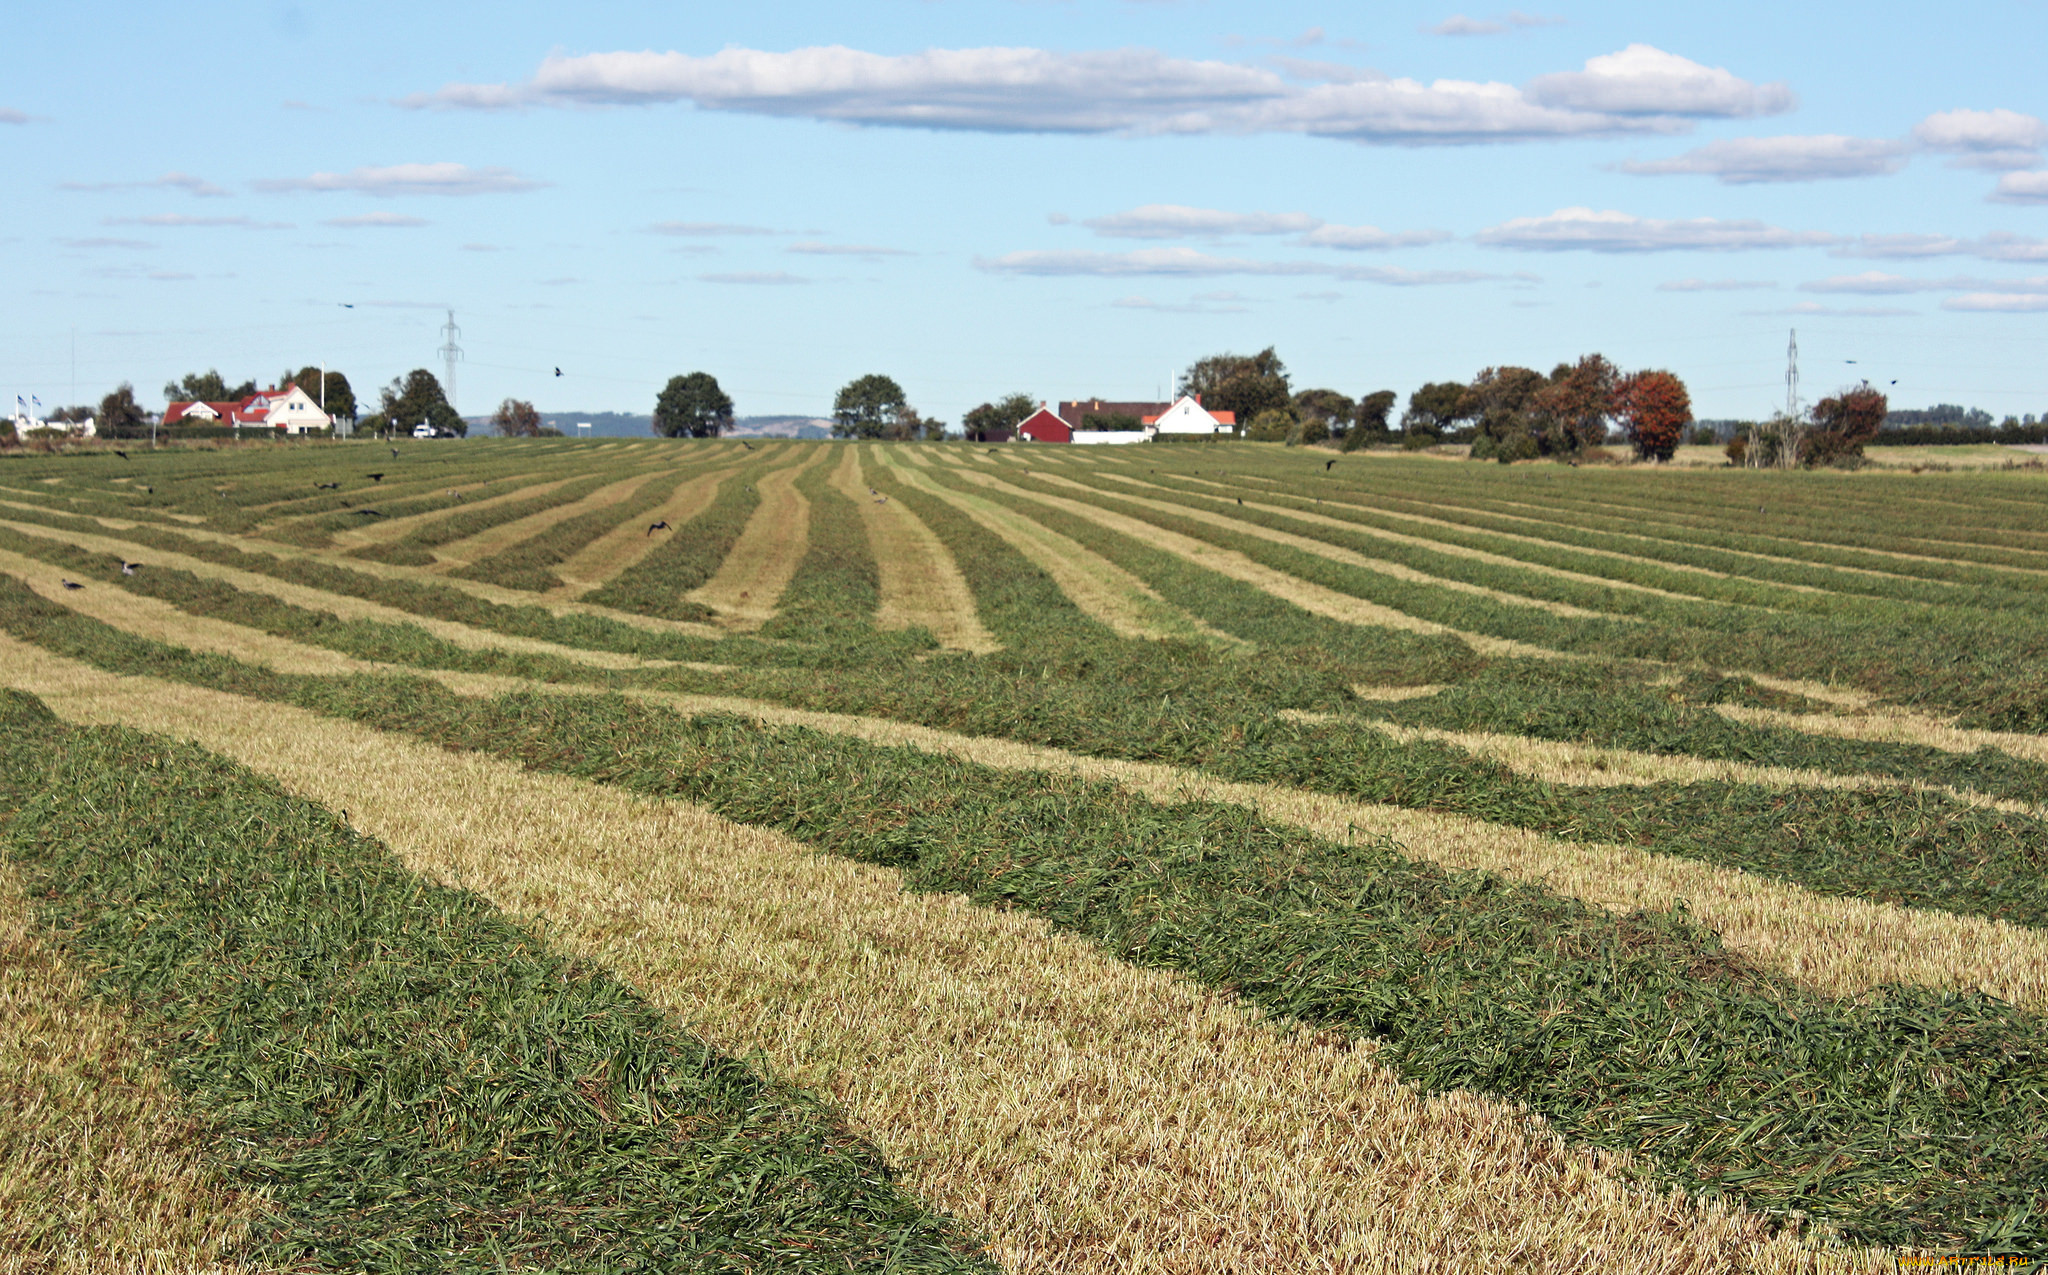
(1156, 858)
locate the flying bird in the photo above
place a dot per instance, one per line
(118, 452)
(73, 584)
(558, 371)
(1327, 464)
(346, 305)
(128, 568)
(657, 526)
(376, 478)
(744, 443)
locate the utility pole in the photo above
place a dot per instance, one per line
(450, 352)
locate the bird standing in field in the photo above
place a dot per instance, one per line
(394, 453)
(1240, 500)
(657, 526)
(368, 513)
(328, 486)
(150, 490)
(376, 478)
(72, 584)
(880, 499)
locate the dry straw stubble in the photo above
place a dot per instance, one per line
(921, 585)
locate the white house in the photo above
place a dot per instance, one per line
(1188, 416)
(290, 410)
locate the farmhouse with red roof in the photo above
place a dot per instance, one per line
(289, 410)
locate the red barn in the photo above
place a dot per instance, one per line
(1045, 426)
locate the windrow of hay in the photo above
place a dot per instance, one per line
(1462, 551)
(611, 553)
(1893, 726)
(1100, 588)
(1836, 945)
(386, 530)
(921, 585)
(492, 593)
(747, 588)
(348, 608)
(1313, 598)
(160, 621)
(101, 1172)
(460, 553)
(1084, 1115)
(1351, 557)
(1594, 765)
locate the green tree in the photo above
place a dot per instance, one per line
(120, 416)
(415, 399)
(516, 418)
(1435, 410)
(1369, 422)
(1572, 412)
(1499, 399)
(1274, 425)
(206, 387)
(1323, 414)
(1244, 384)
(1006, 413)
(906, 424)
(867, 406)
(341, 398)
(692, 406)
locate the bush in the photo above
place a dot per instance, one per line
(1274, 425)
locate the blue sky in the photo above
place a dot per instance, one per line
(1069, 199)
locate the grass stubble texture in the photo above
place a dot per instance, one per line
(1913, 829)
(1016, 1073)
(408, 1080)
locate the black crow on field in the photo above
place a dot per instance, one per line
(150, 490)
(128, 568)
(394, 453)
(376, 478)
(657, 526)
(73, 584)
(118, 452)
(1240, 500)
(328, 486)
(369, 513)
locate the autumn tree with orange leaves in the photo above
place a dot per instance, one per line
(1654, 410)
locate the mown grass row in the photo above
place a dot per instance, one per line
(527, 565)
(837, 586)
(689, 555)
(1186, 706)
(414, 548)
(416, 1082)
(1907, 1117)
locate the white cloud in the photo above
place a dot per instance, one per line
(1997, 140)
(869, 251)
(1370, 238)
(1715, 285)
(186, 182)
(1202, 303)
(105, 242)
(1742, 160)
(1640, 89)
(410, 179)
(1582, 229)
(1176, 221)
(1877, 282)
(1643, 80)
(2022, 188)
(1189, 263)
(1999, 302)
(1848, 312)
(707, 229)
(11, 116)
(389, 220)
(181, 219)
(1997, 246)
(769, 277)
(1462, 25)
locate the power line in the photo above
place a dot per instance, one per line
(450, 352)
